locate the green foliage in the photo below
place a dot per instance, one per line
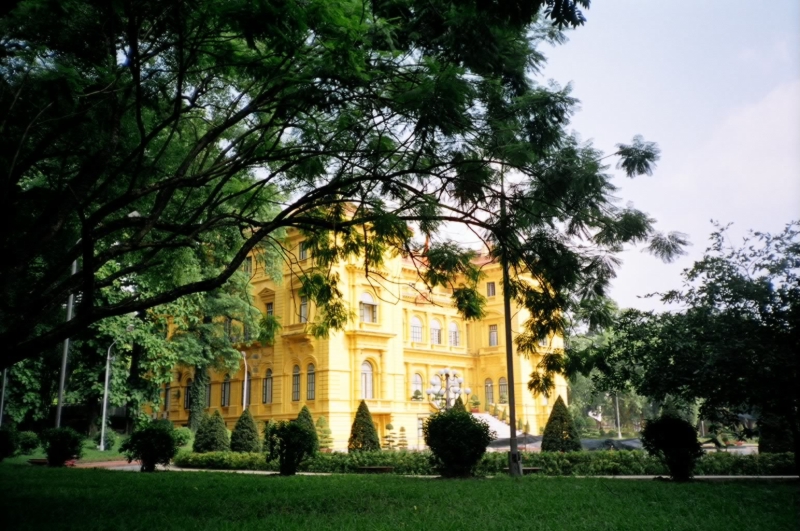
(61, 445)
(182, 436)
(153, 444)
(270, 440)
(599, 463)
(324, 433)
(459, 405)
(475, 402)
(28, 442)
(457, 441)
(560, 434)
(197, 398)
(296, 441)
(212, 435)
(402, 441)
(111, 439)
(674, 441)
(9, 442)
(305, 418)
(503, 414)
(245, 434)
(363, 435)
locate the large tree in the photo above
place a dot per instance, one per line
(733, 346)
(142, 134)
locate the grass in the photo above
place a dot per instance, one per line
(90, 454)
(40, 498)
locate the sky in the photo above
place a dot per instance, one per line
(716, 83)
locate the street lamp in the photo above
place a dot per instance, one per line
(449, 389)
(244, 389)
(105, 392)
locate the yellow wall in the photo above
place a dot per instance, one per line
(387, 345)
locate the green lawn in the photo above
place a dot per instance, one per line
(90, 454)
(40, 498)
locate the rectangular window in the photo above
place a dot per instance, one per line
(247, 265)
(296, 387)
(416, 333)
(208, 395)
(166, 398)
(303, 251)
(369, 313)
(490, 289)
(266, 390)
(455, 338)
(304, 309)
(225, 398)
(311, 386)
(270, 308)
(493, 335)
(420, 424)
(436, 336)
(187, 402)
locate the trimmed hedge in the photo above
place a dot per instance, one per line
(600, 463)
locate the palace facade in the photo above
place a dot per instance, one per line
(388, 356)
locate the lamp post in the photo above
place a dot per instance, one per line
(449, 389)
(105, 392)
(244, 389)
(63, 376)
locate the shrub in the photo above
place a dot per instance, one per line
(270, 440)
(674, 441)
(245, 434)
(28, 442)
(560, 434)
(363, 435)
(307, 420)
(153, 444)
(295, 443)
(61, 445)
(111, 439)
(182, 436)
(9, 441)
(457, 441)
(212, 435)
(324, 434)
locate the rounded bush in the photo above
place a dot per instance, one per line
(182, 436)
(245, 434)
(154, 444)
(28, 442)
(9, 442)
(674, 441)
(61, 445)
(457, 440)
(295, 443)
(111, 439)
(212, 435)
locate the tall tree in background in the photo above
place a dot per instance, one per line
(734, 345)
(143, 135)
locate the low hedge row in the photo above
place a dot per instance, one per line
(601, 463)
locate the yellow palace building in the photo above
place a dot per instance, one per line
(389, 355)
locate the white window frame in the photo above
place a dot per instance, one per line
(416, 330)
(494, 338)
(368, 309)
(436, 332)
(303, 309)
(455, 334)
(367, 381)
(491, 289)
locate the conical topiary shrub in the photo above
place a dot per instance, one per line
(560, 434)
(245, 434)
(324, 434)
(402, 442)
(212, 435)
(363, 435)
(307, 420)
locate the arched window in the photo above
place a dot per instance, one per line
(503, 390)
(311, 383)
(187, 401)
(296, 383)
(416, 387)
(489, 390)
(436, 332)
(416, 330)
(266, 388)
(455, 335)
(247, 390)
(366, 380)
(225, 396)
(368, 309)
